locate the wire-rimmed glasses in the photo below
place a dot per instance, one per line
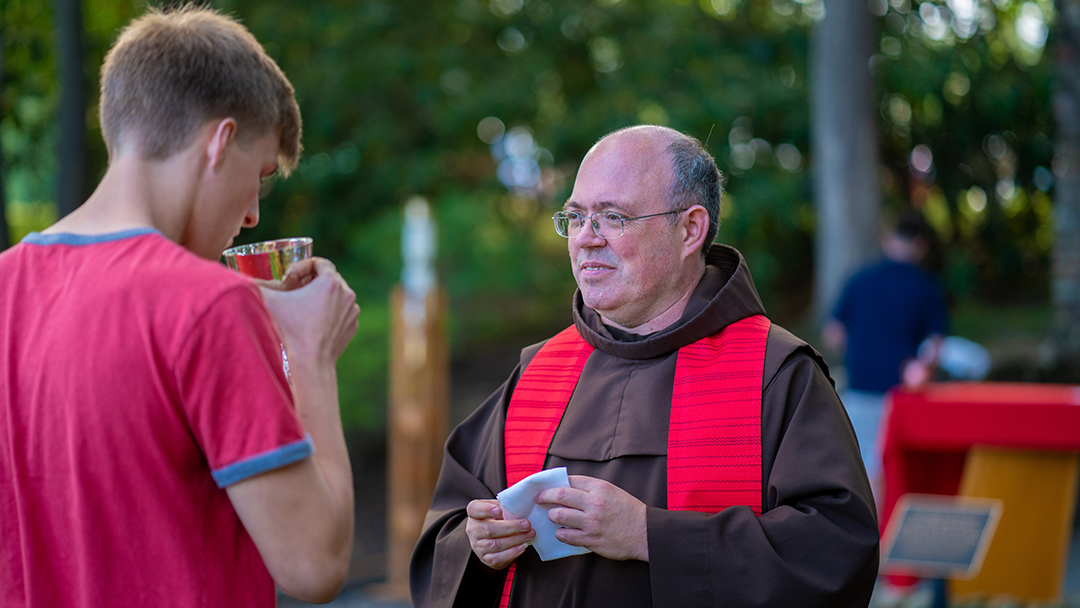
(606, 224)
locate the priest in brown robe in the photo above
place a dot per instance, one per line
(640, 224)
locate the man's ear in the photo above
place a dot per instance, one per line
(695, 227)
(224, 131)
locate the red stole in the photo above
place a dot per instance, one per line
(714, 435)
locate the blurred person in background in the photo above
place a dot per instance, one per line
(884, 313)
(152, 452)
(711, 462)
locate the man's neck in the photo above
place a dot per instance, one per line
(666, 317)
(134, 193)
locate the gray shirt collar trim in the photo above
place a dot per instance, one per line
(66, 238)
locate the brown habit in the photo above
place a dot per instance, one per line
(816, 543)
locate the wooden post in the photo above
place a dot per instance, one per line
(419, 398)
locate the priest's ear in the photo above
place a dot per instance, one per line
(694, 226)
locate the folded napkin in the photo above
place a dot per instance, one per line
(520, 501)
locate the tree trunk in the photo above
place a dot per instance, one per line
(845, 148)
(71, 186)
(5, 234)
(1066, 255)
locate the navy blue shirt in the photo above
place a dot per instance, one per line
(887, 309)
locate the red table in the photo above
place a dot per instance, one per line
(929, 430)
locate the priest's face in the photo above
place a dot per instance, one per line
(632, 279)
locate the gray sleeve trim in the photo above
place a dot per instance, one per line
(266, 461)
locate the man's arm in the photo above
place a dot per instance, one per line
(920, 370)
(834, 334)
(301, 516)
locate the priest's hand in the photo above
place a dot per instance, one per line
(599, 516)
(496, 541)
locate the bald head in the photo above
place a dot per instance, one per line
(690, 174)
(653, 136)
(641, 149)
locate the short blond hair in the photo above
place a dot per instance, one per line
(171, 71)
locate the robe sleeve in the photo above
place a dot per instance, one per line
(816, 544)
(444, 571)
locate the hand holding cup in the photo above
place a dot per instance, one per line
(312, 306)
(315, 310)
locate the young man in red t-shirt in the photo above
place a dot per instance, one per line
(152, 452)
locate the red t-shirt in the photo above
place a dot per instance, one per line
(136, 382)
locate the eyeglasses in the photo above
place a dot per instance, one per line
(266, 185)
(606, 224)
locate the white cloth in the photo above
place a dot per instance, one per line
(520, 501)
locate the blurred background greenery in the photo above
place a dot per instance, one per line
(485, 107)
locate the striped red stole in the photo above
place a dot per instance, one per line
(714, 435)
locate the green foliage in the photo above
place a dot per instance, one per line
(28, 99)
(393, 95)
(24, 218)
(362, 370)
(506, 277)
(29, 130)
(989, 323)
(981, 107)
